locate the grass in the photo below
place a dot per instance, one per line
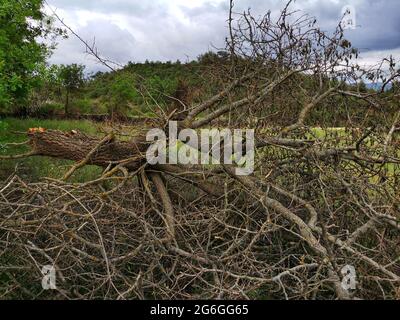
(13, 130)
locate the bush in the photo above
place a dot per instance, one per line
(122, 92)
(82, 106)
(49, 109)
(3, 125)
(160, 88)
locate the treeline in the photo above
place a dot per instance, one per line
(150, 88)
(138, 89)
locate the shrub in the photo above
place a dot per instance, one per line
(82, 106)
(48, 109)
(122, 92)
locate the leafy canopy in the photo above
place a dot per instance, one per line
(72, 76)
(22, 22)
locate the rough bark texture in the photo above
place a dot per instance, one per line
(75, 146)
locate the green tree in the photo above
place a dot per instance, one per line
(362, 87)
(121, 93)
(207, 58)
(72, 79)
(22, 22)
(48, 88)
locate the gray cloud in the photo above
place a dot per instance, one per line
(102, 33)
(128, 7)
(378, 25)
(135, 30)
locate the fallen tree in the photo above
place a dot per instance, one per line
(78, 146)
(317, 205)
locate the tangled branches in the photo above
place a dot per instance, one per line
(285, 236)
(320, 199)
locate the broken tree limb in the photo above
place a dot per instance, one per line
(167, 204)
(19, 156)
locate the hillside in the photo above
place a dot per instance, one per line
(145, 90)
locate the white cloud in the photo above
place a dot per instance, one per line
(371, 58)
(180, 29)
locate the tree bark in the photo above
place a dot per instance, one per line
(76, 146)
(66, 108)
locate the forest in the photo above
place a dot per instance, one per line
(317, 218)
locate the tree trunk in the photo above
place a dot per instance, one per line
(76, 146)
(66, 107)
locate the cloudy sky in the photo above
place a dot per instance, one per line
(136, 30)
